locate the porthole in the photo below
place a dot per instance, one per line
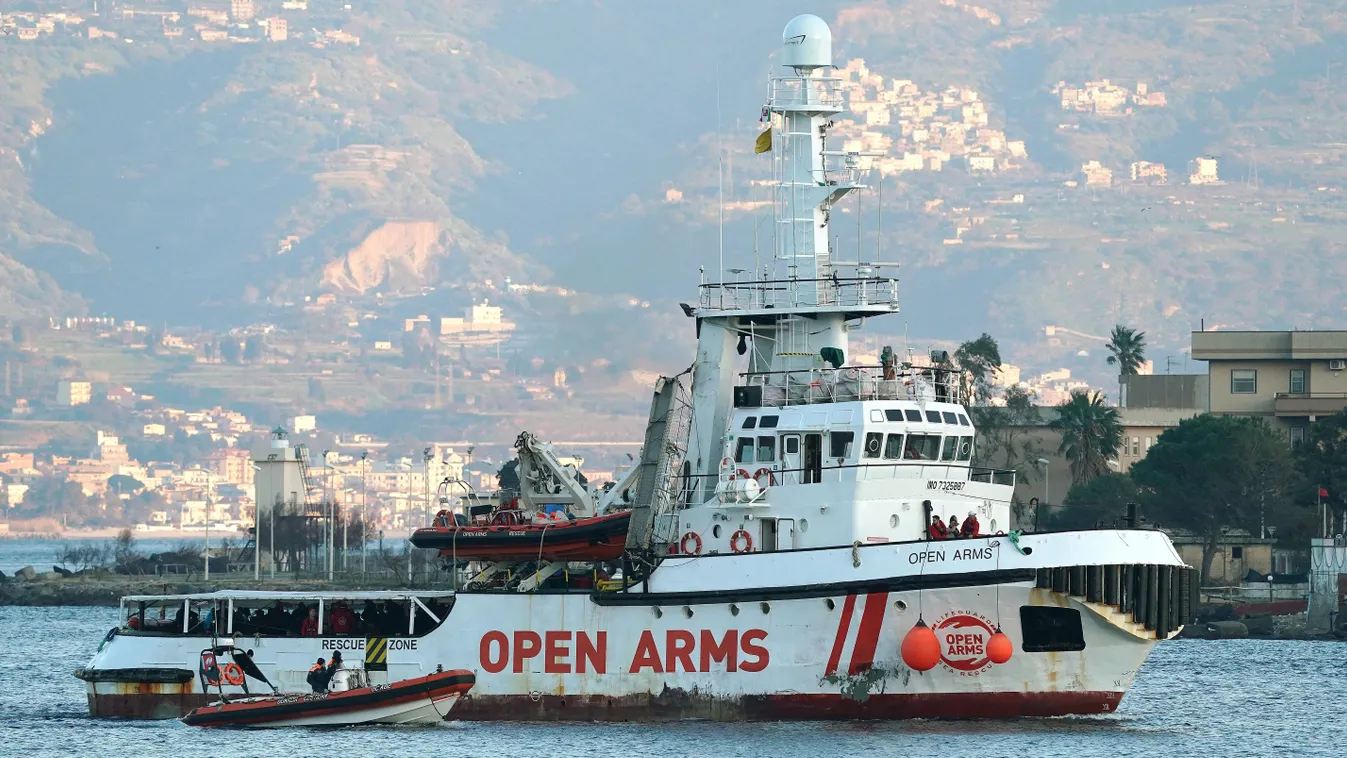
(766, 608)
(900, 605)
(687, 611)
(804, 525)
(893, 521)
(829, 602)
(715, 531)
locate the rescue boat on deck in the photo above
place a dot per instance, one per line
(559, 538)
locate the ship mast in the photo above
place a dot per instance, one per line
(797, 311)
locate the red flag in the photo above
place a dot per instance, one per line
(1323, 492)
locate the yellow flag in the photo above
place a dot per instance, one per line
(764, 143)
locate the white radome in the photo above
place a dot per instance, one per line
(807, 43)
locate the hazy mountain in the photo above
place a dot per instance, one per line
(161, 179)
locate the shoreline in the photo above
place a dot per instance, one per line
(111, 532)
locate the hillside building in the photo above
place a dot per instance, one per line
(70, 392)
(1150, 173)
(1290, 378)
(1203, 171)
(1096, 174)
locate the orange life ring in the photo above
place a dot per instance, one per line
(232, 674)
(771, 477)
(747, 544)
(695, 539)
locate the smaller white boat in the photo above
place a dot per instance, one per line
(350, 700)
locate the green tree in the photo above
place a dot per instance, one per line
(1213, 473)
(1127, 351)
(121, 484)
(508, 476)
(981, 358)
(316, 392)
(1091, 434)
(1007, 436)
(254, 348)
(1103, 498)
(1321, 460)
(230, 350)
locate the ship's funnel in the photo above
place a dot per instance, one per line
(807, 44)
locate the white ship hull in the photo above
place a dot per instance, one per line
(786, 649)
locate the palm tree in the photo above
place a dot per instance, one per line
(1127, 348)
(1091, 434)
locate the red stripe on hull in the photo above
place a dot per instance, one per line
(677, 705)
(842, 626)
(867, 639)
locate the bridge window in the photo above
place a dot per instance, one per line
(922, 447)
(839, 444)
(965, 448)
(933, 417)
(873, 442)
(963, 420)
(894, 414)
(766, 449)
(750, 422)
(768, 422)
(743, 451)
(950, 449)
(893, 449)
(950, 418)
(913, 415)
(1050, 630)
(1243, 381)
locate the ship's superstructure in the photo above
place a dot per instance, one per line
(776, 561)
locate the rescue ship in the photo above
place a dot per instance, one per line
(776, 562)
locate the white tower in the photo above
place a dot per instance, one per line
(795, 313)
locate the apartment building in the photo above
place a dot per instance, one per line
(1291, 378)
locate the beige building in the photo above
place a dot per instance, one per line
(1237, 552)
(279, 31)
(1290, 378)
(73, 393)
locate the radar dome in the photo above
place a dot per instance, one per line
(807, 43)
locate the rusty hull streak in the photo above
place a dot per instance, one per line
(676, 705)
(143, 700)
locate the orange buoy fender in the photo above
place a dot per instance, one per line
(999, 647)
(921, 648)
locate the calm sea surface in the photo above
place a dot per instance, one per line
(1192, 698)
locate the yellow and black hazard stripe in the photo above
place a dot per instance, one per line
(376, 653)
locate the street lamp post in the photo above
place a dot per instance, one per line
(257, 528)
(364, 514)
(331, 511)
(210, 489)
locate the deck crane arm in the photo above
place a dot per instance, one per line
(545, 480)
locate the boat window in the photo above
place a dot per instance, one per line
(768, 422)
(965, 448)
(963, 420)
(839, 444)
(1049, 630)
(949, 418)
(766, 449)
(894, 414)
(750, 422)
(792, 446)
(873, 442)
(913, 415)
(743, 451)
(922, 447)
(933, 417)
(950, 448)
(893, 449)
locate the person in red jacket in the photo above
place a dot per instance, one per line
(341, 620)
(937, 530)
(970, 525)
(309, 628)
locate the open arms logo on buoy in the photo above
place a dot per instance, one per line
(963, 637)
